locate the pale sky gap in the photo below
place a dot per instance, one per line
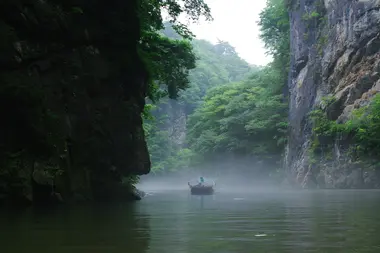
(236, 22)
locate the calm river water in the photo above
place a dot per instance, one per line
(175, 222)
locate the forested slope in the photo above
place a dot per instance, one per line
(232, 114)
(166, 130)
(242, 126)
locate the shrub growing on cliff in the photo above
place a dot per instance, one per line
(363, 125)
(366, 126)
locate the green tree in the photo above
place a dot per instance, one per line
(243, 118)
(275, 32)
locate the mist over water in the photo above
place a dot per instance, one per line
(257, 215)
(223, 184)
(229, 176)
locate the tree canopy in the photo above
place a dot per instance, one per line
(244, 118)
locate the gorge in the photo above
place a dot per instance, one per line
(95, 93)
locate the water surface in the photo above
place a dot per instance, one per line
(176, 222)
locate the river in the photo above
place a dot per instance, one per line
(176, 222)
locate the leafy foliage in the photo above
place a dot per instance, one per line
(366, 124)
(275, 31)
(173, 71)
(170, 71)
(363, 125)
(217, 64)
(244, 118)
(274, 22)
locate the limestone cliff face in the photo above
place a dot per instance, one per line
(335, 48)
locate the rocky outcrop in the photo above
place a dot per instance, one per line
(73, 90)
(335, 47)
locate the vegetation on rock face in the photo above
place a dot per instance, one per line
(362, 128)
(231, 108)
(74, 77)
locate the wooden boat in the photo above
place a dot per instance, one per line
(206, 188)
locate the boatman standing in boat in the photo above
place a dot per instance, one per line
(201, 180)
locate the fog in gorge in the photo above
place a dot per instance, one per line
(230, 175)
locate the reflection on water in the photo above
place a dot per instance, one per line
(176, 222)
(87, 229)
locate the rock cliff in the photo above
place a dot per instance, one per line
(335, 51)
(72, 91)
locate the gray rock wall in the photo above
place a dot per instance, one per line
(335, 47)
